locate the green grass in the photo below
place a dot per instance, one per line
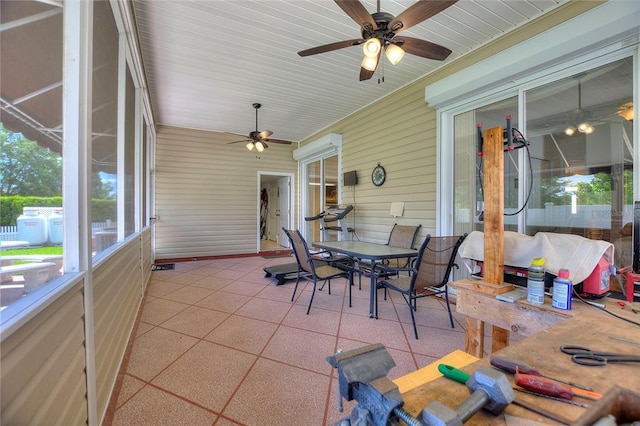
(32, 250)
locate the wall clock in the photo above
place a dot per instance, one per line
(378, 175)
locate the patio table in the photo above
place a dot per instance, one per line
(372, 252)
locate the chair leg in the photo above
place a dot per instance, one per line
(350, 284)
(446, 298)
(413, 317)
(296, 287)
(313, 292)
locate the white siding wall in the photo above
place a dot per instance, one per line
(207, 192)
(399, 133)
(43, 375)
(43, 367)
(117, 296)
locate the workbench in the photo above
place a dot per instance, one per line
(477, 300)
(586, 327)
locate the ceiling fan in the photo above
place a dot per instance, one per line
(379, 33)
(258, 139)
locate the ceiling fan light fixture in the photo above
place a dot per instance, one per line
(250, 146)
(569, 131)
(369, 64)
(585, 128)
(371, 47)
(394, 53)
(259, 146)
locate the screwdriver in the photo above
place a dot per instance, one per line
(509, 366)
(546, 386)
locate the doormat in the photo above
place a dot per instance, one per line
(275, 256)
(163, 266)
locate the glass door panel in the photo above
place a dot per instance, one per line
(584, 154)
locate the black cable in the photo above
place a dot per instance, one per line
(526, 201)
(530, 180)
(604, 309)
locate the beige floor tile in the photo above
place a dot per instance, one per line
(153, 407)
(188, 294)
(155, 351)
(279, 394)
(242, 333)
(159, 310)
(195, 321)
(301, 348)
(207, 374)
(265, 309)
(224, 301)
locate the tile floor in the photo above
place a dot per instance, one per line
(217, 343)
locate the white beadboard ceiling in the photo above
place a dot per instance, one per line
(207, 62)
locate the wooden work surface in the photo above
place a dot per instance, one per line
(593, 329)
(478, 302)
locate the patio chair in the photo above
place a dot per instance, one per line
(430, 274)
(403, 236)
(315, 268)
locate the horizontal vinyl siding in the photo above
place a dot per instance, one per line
(147, 258)
(117, 293)
(43, 367)
(399, 133)
(206, 192)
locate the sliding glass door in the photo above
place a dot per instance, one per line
(320, 186)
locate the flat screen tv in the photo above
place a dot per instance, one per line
(350, 178)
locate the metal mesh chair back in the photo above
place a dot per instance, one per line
(301, 251)
(403, 236)
(436, 259)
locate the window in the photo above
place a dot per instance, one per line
(583, 178)
(104, 209)
(31, 47)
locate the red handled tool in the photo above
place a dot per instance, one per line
(543, 385)
(510, 366)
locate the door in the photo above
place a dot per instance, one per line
(284, 209)
(274, 212)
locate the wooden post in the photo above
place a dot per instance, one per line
(493, 149)
(493, 206)
(493, 281)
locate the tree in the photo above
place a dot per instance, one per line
(27, 168)
(99, 188)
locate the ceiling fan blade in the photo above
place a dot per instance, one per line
(244, 140)
(265, 134)
(356, 11)
(281, 141)
(331, 46)
(422, 48)
(418, 12)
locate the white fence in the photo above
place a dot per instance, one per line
(10, 233)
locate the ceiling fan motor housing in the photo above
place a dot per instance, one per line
(382, 31)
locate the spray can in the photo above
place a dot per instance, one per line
(562, 288)
(535, 281)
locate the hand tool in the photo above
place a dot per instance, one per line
(545, 386)
(491, 391)
(462, 377)
(585, 356)
(553, 398)
(510, 366)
